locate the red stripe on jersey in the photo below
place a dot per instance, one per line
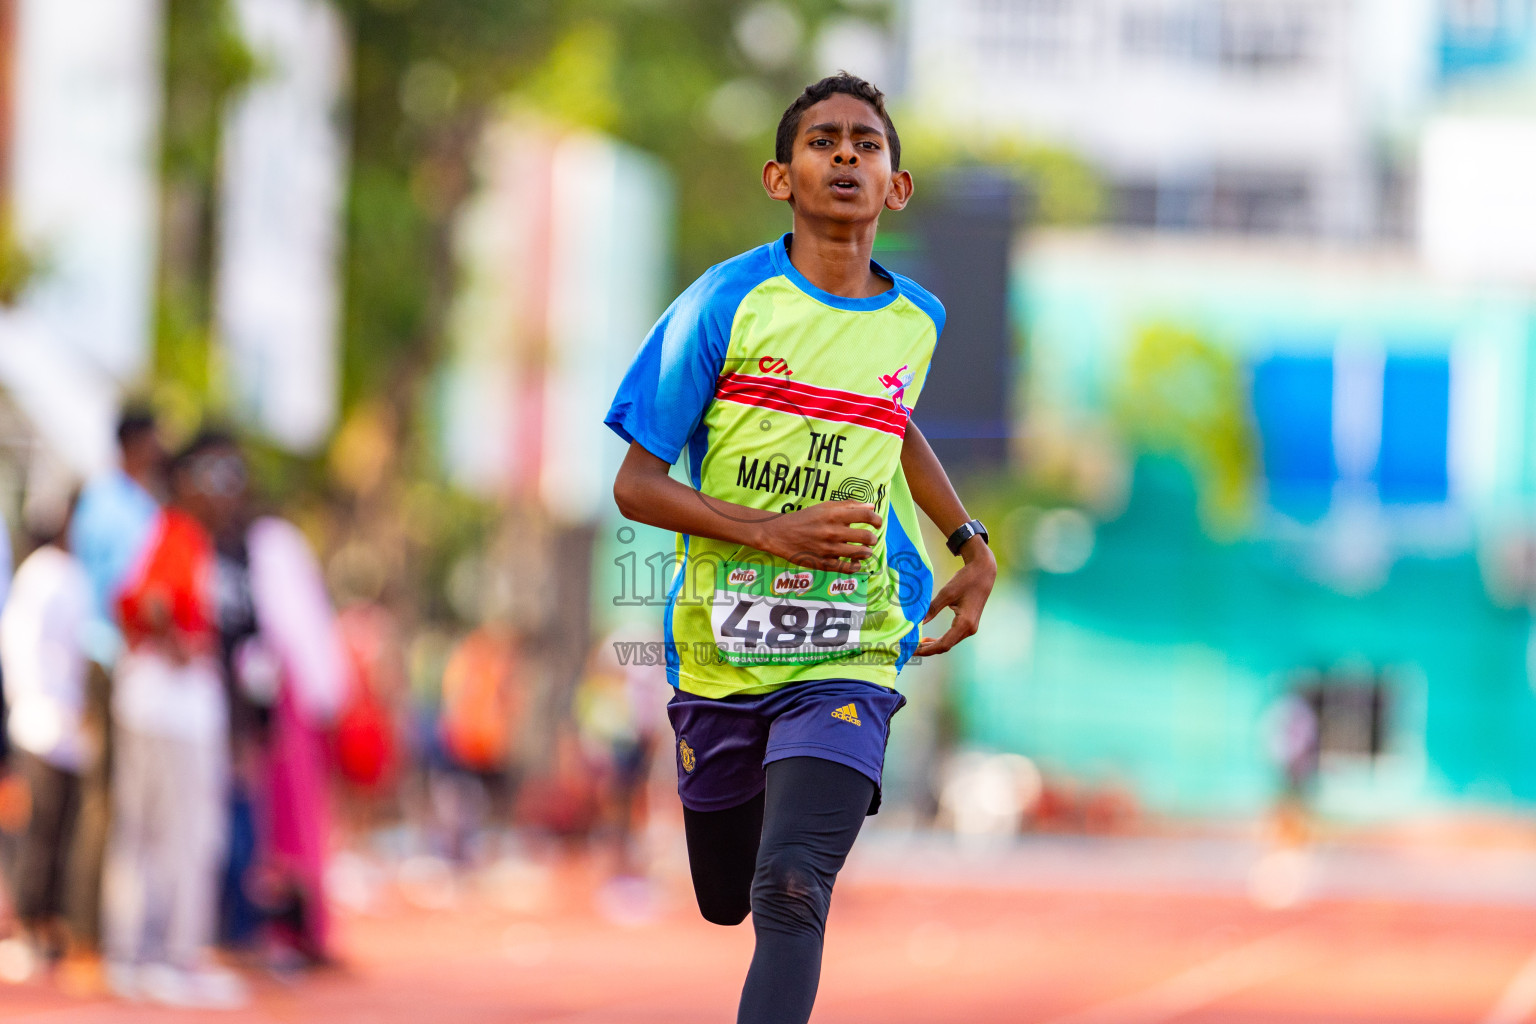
(878, 407)
(830, 412)
(809, 400)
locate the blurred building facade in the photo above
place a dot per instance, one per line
(1379, 555)
(1254, 116)
(1356, 532)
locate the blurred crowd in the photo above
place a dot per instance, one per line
(171, 663)
(185, 707)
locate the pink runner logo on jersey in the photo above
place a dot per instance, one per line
(896, 383)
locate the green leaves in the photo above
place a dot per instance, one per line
(1184, 396)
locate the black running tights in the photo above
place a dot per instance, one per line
(777, 855)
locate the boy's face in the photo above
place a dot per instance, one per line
(840, 167)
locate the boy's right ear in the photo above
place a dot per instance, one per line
(776, 181)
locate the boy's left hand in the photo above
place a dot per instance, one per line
(966, 592)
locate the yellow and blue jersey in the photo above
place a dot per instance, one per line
(783, 396)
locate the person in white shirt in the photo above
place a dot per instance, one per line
(5, 589)
(42, 632)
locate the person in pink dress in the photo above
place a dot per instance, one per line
(285, 676)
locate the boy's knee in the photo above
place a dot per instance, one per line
(790, 892)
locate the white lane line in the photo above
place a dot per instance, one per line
(1201, 985)
(1518, 998)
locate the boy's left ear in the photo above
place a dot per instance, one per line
(900, 191)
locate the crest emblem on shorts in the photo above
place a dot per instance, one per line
(685, 752)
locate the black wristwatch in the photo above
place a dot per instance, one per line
(965, 533)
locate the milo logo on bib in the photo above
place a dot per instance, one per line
(796, 616)
(792, 583)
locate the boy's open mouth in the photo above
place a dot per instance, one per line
(845, 186)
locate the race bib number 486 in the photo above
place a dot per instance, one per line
(786, 615)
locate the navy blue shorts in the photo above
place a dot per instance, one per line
(724, 743)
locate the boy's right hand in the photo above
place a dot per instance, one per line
(823, 536)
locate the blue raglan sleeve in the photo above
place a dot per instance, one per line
(672, 379)
(927, 302)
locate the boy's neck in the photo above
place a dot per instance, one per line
(836, 258)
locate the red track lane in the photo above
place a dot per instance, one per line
(902, 954)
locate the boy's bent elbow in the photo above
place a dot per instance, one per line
(629, 495)
(624, 496)
(634, 488)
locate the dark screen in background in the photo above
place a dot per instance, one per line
(955, 240)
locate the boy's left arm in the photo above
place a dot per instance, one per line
(968, 589)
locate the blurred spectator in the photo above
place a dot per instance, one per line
(297, 638)
(250, 697)
(112, 524)
(367, 735)
(170, 722)
(1292, 734)
(13, 794)
(108, 533)
(482, 700)
(562, 800)
(5, 587)
(285, 673)
(483, 706)
(620, 712)
(42, 629)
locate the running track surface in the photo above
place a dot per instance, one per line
(554, 946)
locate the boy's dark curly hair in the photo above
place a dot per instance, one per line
(842, 82)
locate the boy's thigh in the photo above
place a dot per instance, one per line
(719, 750)
(839, 720)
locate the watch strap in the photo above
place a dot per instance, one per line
(965, 532)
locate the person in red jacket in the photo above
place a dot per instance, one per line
(170, 721)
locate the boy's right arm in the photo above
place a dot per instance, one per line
(819, 537)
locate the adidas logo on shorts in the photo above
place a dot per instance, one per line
(848, 713)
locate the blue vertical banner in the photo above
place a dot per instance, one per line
(1293, 406)
(1415, 424)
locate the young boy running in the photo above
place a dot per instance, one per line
(789, 375)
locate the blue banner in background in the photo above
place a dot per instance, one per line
(1415, 422)
(1293, 406)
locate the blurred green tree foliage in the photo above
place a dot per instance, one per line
(699, 83)
(1064, 189)
(672, 77)
(205, 64)
(1183, 396)
(663, 75)
(18, 263)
